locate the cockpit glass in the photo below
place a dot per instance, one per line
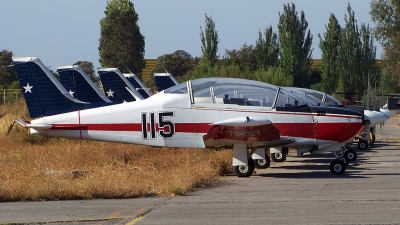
(286, 98)
(331, 101)
(177, 89)
(233, 91)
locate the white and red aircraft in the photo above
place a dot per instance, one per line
(243, 115)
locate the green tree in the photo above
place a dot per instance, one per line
(295, 46)
(267, 48)
(245, 58)
(8, 76)
(386, 15)
(350, 56)
(329, 44)
(209, 42)
(356, 57)
(177, 63)
(121, 43)
(88, 68)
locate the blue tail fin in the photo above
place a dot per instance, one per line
(114, 85)
(43, 93)
(138, 85)
(164, 81)
(80, 86)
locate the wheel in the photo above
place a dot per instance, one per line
(345, 160)
(245, 170)
(351, 155)
(278, 157)
(337, 167)
(362, 144)
(262, 163)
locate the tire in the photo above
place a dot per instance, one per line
(351, 155)
(362, 144)
(262, 163)
(278, 157)
(337, 167)
(245, 170)
(345, 160)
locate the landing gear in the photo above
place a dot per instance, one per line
(351, 154)
(262, 163)
(362, 144)
(245, 170)
(337, 167)
(280, 156)
(345, 160)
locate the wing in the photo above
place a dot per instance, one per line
(256, 133)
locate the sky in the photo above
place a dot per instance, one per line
(63, 32)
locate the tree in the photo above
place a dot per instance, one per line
(356, 56)
(177, 63)
(209, 42)
(88, 68)
(8, 76)
(245, 57)
(121, 43)
(329, 44)
(295, 45)
(266, 50)
(386, 15)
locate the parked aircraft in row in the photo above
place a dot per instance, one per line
(243, 115)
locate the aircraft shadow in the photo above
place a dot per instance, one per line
(314, 175)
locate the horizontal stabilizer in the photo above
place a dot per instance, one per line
(27, 124)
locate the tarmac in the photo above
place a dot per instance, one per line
(300, 190)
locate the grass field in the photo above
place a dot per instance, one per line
(37, 168)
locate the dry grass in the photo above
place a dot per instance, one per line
(36, 168)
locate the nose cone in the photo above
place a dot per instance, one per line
(375, 117)
(387, 112)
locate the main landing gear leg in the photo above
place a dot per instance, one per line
(338, 166)
(280, 156)
(243, 166)
(261, 159)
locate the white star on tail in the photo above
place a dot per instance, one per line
(71, 92)
(110, 93)
(28, 88)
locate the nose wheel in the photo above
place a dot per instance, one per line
(337, 167)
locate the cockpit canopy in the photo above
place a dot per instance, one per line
(237, 91)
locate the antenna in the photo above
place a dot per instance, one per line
(165, 70)
(128, 70)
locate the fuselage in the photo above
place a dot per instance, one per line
(176, 120)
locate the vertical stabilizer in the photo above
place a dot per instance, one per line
(79, 85)
(138, 85)
(164, 81)
(43, 93)
(114, 85)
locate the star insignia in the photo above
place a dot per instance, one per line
(110, 93)
(28, 88)
(71, 92)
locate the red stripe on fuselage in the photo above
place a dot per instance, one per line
(327, 131)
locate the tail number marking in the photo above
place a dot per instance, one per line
(165, 128)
